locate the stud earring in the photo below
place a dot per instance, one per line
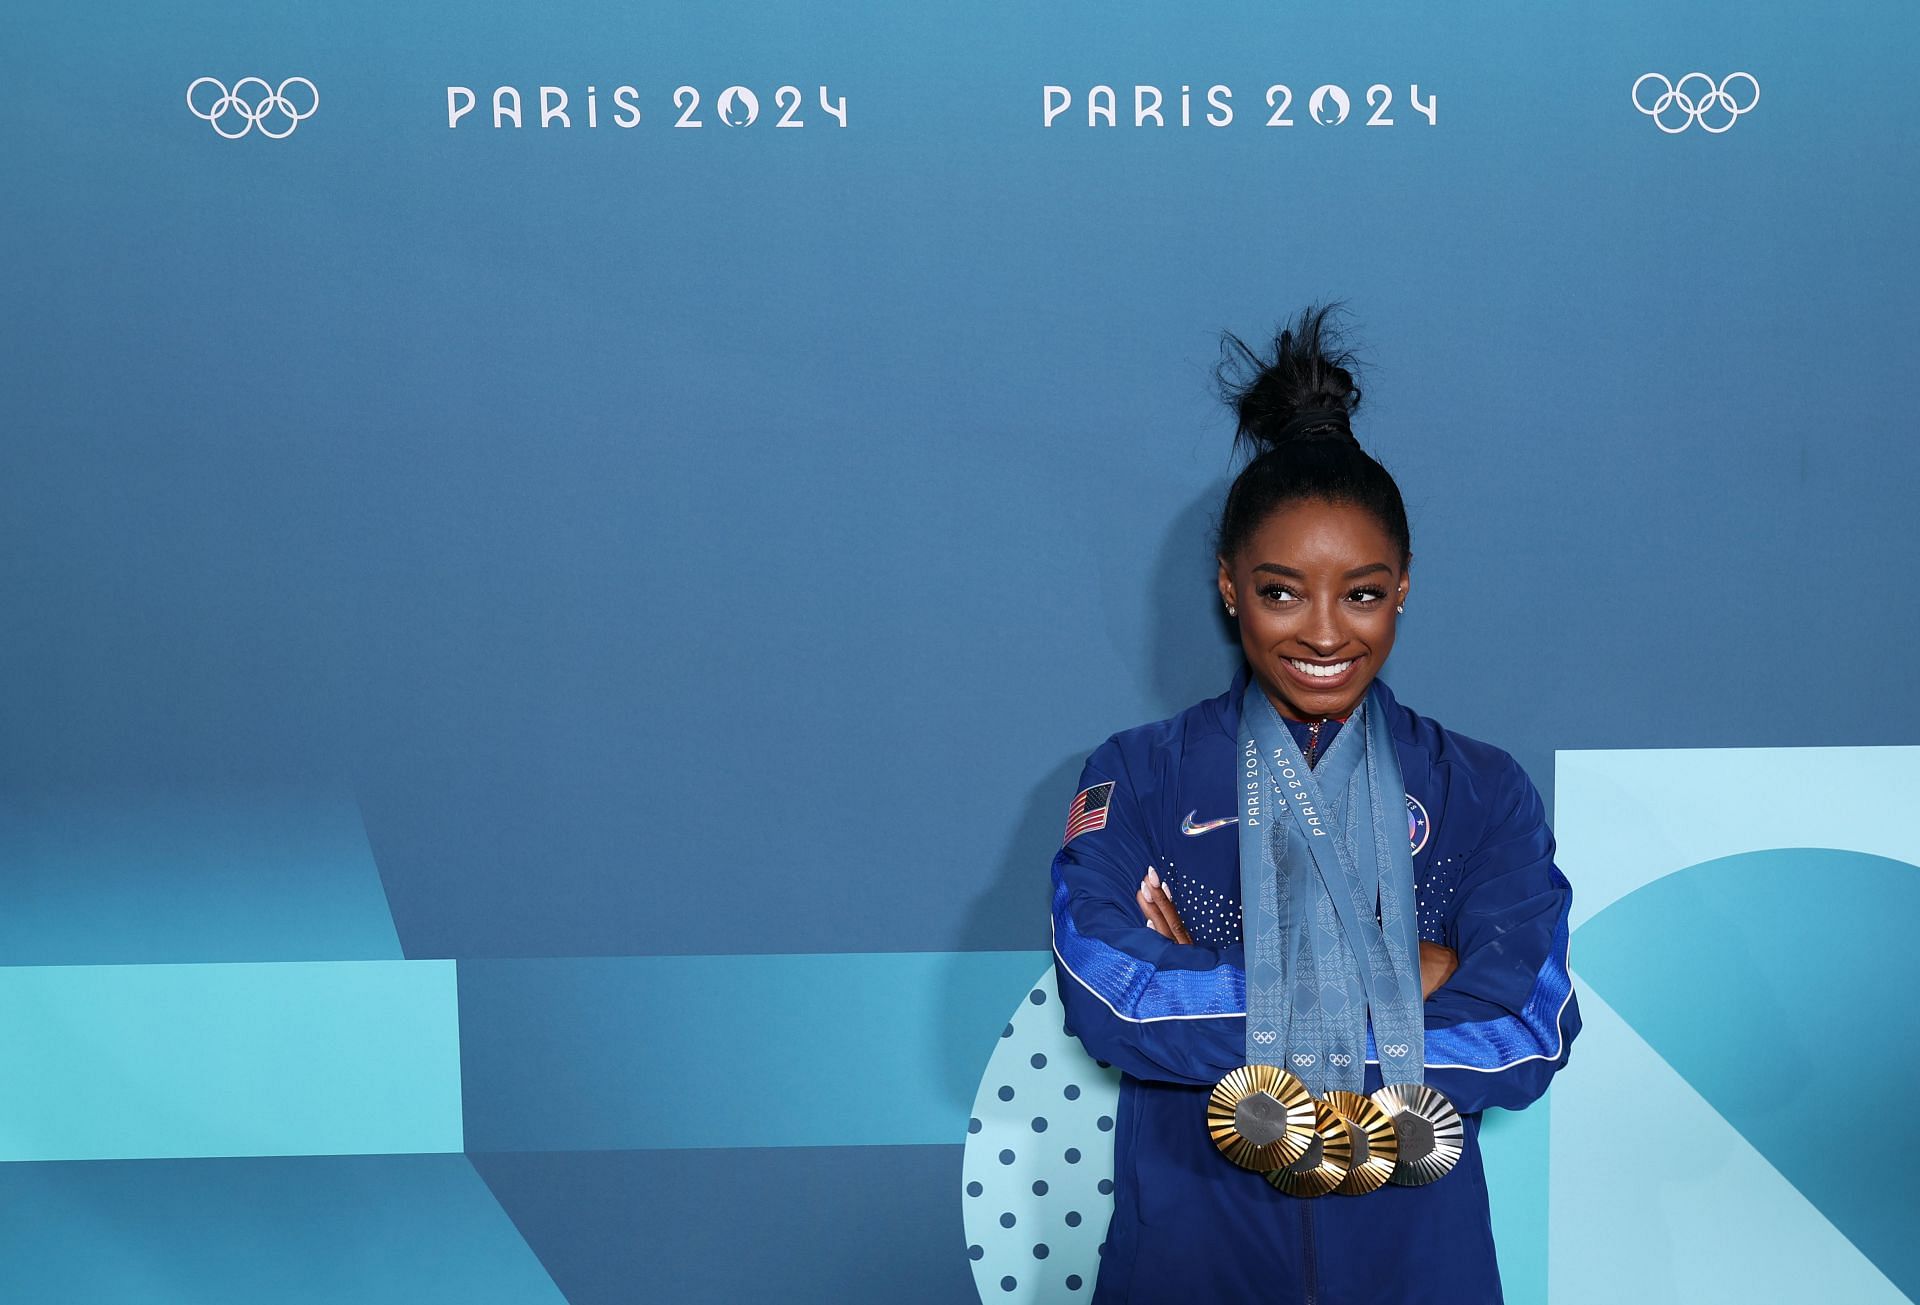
(1231, 610)
(1401, 608)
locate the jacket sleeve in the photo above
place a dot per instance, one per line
(1156, 1009)
(1504, 1022)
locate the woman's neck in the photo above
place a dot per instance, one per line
(1287, 713)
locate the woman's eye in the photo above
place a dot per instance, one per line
(1278, 594)
(1366, 597)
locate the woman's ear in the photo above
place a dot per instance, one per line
(1226, 589)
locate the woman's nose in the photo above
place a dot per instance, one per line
(1322, 631)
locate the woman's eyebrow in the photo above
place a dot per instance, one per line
(1354, 574)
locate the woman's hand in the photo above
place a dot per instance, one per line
(1437, 965)
(1157, 905)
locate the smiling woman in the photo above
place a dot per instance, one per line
(1316, 629)
(1391, 956)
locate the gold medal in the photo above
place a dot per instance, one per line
(1261, 1117)
(1429, 1130)
(1324, 1167)
(1376, 1147)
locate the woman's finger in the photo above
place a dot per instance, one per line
(1169, 914)
(1176, 930)
(1151, 910)
(1156, 904)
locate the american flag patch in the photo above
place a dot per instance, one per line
(1089, 810)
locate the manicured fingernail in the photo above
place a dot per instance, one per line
(1153, 876)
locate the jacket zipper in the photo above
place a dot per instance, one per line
(1312, 1266)
(1308, 1261)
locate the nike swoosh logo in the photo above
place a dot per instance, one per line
(1189, 828)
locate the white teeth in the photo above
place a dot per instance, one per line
(1318, 671)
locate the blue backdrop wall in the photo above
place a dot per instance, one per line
(544, 661)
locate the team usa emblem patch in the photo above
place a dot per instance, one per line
(1417, 826)
(1089, 810)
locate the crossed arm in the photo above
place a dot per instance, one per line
(1437, 963)
(1500, 1011)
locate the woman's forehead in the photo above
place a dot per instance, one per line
(1318, 532)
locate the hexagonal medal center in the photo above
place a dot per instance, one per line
(1416, 1134)
(1260, 1118)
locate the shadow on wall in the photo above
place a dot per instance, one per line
(1193, 648)
(1190, 652)
(1010, 914)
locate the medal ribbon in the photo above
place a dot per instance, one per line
(1319, 961)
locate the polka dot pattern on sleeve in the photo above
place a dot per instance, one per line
(1212, 917)
(1037, 1174)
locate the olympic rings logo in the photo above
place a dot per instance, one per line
(1696, 98)
(1303, 1061)
(269, 106)
(1396, 1049)
(1265, 1037)
(1341, 1059)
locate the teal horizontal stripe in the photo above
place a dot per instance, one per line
(299, 1058)
(842, 1049)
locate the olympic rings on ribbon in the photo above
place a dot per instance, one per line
(1694, 95)
(254, 114)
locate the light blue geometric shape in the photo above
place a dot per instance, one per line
(1008, 1155)
(1658, 1199)
(1514, 1151)
(1629, 819)
(119, 878)
(309, 1230)
(300, 1058)
(831, 1049)
(1626, 817)
(1778, 984)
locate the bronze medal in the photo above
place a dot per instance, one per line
(1261, 1117)
(1324, 1166)
(1429, 1129)
(1376, 1147)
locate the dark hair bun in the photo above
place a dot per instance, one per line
(1293, 409)
(1304, 390)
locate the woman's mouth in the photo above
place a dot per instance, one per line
(1321, 676)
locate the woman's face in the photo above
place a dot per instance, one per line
(1315, 587)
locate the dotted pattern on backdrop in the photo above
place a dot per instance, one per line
(1037, 1177)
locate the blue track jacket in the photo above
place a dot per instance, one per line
(1188, 1226)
